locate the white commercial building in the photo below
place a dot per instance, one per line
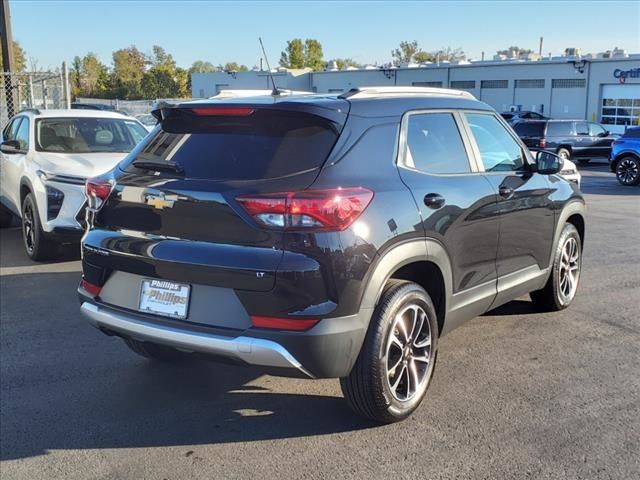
(606, 90)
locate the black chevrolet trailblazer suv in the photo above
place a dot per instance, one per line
(327, 236)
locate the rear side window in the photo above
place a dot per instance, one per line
(264, 144)
(529, 129)
(560, 129)
(434, 144)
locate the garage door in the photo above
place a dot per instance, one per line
(620, 106)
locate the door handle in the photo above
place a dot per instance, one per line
(505, 192)
(433, 200)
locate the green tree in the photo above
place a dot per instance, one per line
(75, 74)
(405, 52)
(423, 57)
(313, 57)
(233, 67)
(514, 50)
(201, 67)
(343, 63)
(293, 56)
(449, 54)
(19, 57)
(129, 66)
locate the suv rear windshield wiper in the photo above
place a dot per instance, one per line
(158, 166)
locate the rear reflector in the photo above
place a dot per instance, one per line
(294, 324)
(222, 111)
(90, 287)
(315, 210)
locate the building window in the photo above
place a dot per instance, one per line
(530, 83)
(463, 84)
(494, 84)
(568, 83)
(426, 84)
(620, 111)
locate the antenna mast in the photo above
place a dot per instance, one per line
(275, 90)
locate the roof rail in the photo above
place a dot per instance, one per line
(363, 92)
(34, 110)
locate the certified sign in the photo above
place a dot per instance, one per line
(622, 75)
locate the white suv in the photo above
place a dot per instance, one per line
(45, 158)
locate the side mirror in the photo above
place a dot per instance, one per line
(606, 133)
(10, 147)
(548, 163)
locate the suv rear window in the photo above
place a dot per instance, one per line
(265, 144)
(529, 129)
(558, 129)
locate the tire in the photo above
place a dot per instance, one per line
(374, 389)
(628, 171)
(153, 351)
(564, 153)
(6, 217)
(36, 243)
(562, 285)
(583, 161)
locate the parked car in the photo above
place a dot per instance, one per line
(46, 157)
(92, 106)
(327, 236)
(625, 157)
(148, 120)
(513, 117)
(577, 139)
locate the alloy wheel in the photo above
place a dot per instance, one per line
(627, 171)
(28, 227)
(569, 269)
(408, 353)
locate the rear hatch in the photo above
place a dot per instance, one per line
(172, 213)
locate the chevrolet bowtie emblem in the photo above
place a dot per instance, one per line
(161, 201)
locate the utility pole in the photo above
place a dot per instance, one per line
(8, 60)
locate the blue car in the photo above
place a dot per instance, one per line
(625, 157)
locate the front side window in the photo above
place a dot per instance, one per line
(582, 128)
(499, 151)
(434, 144)
(9, 132)
(22, 134)
(87, 135)
(596, 130)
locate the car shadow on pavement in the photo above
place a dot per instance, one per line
(515, 307)
(12, 252)
(66, 386)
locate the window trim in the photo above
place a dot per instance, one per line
(526, 153)
(24, 118)
(403, 146)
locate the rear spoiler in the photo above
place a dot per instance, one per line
(333, 109)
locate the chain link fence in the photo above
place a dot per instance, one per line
(21, 90)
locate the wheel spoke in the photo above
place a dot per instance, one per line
(392, 370)
(396, 341)
(398, 378)
(422, 359)
(418, 322)
(412, 376)
(402, 326)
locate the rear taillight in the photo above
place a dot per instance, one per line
(294, 324)
(543, 143)
(93, 290)
(319, 210)
(97, 191)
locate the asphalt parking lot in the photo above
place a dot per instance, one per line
(516, 394)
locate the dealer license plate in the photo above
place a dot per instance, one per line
(165, 298)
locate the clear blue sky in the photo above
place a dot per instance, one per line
(55, 30)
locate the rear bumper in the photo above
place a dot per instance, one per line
(328, 350)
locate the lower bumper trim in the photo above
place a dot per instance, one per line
(253, 351)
